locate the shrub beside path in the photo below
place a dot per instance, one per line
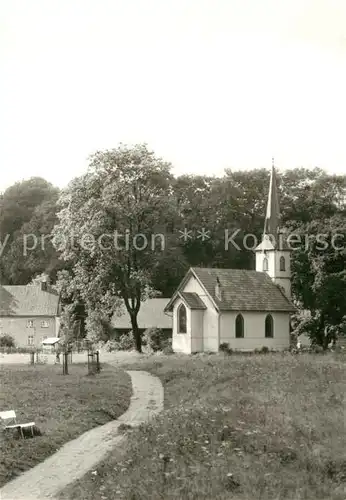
(79, 456)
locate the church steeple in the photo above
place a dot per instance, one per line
(272, 220)
(273, 256)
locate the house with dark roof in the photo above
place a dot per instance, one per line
(247, 309)
(29, 313)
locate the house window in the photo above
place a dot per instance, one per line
(282, 264)
(30, 323)
(265, 264)
(269, 326)
(44, 324)
(30, 340)
(182, 319)
(239, 327)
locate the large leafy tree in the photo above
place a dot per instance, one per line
(195, 207)
(125, 195)
(233, 204)
(19, 202)
(319, 278)
(310, 195)
(27, 216)
(31, 251)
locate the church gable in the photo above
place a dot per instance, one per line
(192, 293)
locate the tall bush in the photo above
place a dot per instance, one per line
(7, 341)
(154, 339)
(125, 343)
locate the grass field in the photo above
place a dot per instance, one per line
(63, 407)
(240, 427)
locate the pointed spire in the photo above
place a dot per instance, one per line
(272, 220)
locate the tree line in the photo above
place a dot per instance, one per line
(130, 192)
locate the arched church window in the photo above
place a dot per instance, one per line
(282, 263)
(239, 327)
(269, 326)
(265, 264)
(182, 319)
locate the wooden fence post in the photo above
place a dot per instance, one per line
(65, 364)
(90, 363)
(97, 361)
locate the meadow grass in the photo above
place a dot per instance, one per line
(62, 406)
(239, 427)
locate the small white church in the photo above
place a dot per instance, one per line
(245, 309)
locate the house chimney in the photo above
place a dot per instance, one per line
(218, 289)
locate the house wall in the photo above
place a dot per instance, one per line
(254, 331)
(18, 328)
(210, 317)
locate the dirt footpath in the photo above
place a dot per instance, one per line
(77, 457)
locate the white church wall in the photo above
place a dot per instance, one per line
(181, 342)
(270, 256)
(197, 316)
(287, 272)
(282, 278)
(210, 317)
(254, 331)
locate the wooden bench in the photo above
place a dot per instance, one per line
(9, 421)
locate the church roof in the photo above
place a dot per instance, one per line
(274, 236)
(265, 245)
(268, 244)
(193, 300)
(272, 220)
(241, 290)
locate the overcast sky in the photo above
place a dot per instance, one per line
(208, 84)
